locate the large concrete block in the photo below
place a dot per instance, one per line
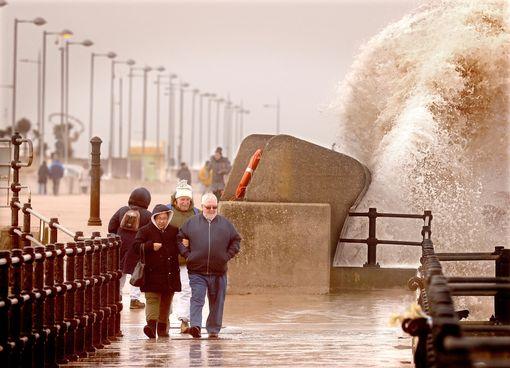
(296, 171)
(247, 148)
(286, 246)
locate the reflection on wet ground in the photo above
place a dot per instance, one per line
(346, 330)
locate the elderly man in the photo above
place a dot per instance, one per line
(183, 209)
(208, 242)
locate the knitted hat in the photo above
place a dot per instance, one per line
(183, 189)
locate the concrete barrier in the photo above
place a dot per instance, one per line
(295, 171)
(285, 247)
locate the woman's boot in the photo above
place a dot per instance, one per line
(150, 329)
(162, 330)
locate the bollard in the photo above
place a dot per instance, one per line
(95, 182)
(59, 310)
(4, 310)
(89, 292)
(49, 308)
(502, 298)
(70, 302)
(372, 240)
(80, 301)
(40, 342)
(27, 310)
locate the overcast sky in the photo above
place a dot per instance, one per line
(254, 51)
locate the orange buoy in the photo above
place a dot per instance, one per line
(245, 180)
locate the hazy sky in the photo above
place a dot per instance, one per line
(255, 51)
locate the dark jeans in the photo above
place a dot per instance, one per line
(216, 287)
(56, 184)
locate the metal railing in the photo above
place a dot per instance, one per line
(372, 241)
(445, 341)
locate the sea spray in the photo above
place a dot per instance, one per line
(426, 108)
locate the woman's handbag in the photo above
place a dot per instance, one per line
(138, 277)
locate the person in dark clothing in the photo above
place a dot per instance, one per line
(56, 174)
(139, 201)
(158, 242)
(42, 177)
(208, 241)
(183, 173)
(220, 167)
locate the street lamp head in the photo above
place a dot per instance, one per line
(39, 21)
(66, 34)
(196, 90)
(147, 69)
(173, 76)
(212, 95)
(161, 69)
(220, 100)
(130, 62)
(3, 3)
(87, 43)
(111, 55)
(246, 111)
(184, 85)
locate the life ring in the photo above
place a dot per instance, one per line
(245, 180)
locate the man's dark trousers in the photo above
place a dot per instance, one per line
(215, 286)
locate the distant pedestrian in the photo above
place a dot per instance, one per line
(220, 167)
(157, 240)
(205, 177)
(42, 177)
(184, 209)
(56, 174)
(208, 241)
(84, 179)
(184, 173)
(126, 222)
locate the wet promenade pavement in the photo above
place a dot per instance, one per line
(347, 330)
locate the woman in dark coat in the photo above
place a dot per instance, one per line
(139, 200)
(158, 242)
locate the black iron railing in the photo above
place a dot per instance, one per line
(372, 241)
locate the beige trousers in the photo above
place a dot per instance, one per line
(157, 306)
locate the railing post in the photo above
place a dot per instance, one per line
(105, 277)
(59, 310)
(15, 188)
(372, 240)
(95, 182)
(39, 348)
(80, 301)
(49, 308)
(502, 297)
(70, 302)
(53, 230)
(96, 299)
(26, 316)
(89, 292)
(4, 311)
(118, 292)
(112, 279)
(15, 316)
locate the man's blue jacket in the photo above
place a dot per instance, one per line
(211, 244)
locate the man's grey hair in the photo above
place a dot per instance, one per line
(209, 196)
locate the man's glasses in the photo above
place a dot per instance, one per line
(210, 207)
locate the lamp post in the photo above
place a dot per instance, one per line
(182, 87)
(241, 127)
(158, 82)
(93, 55)
(38, 63)
(201, 124)
(218, 103)
(129, 62)
(38, 22)
(65, 34)
(192, 146)
(226, 125)
(85, 43)
(211, 97)
(171, 120)
(130, 116)
(277, 107)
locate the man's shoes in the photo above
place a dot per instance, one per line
(213, 335)
(150, 329)
(162, 330)
(195, 332)
(184, 326)
(136, 304)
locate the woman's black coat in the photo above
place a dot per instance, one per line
(161, 267)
